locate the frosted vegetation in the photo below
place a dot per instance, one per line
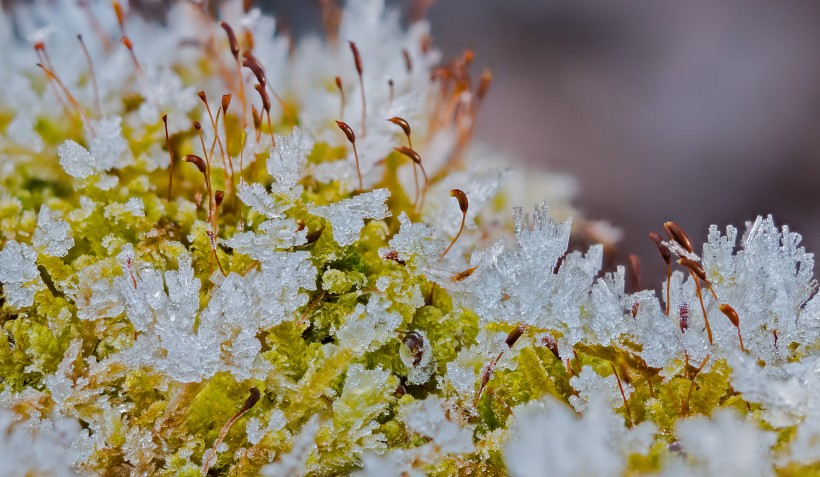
(232, 282)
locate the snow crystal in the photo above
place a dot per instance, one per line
(287, 160)
(368, 328)
(590, 385)
(53, 234)
(548, 435)
(725, 444)
(256, 197)
(428, 419)
(274, 234)
(788, 393)
(256, 433)
(415, 244)
(75, 159)
(294, 462)
(19, 274)
(347, 216)
(51, 446)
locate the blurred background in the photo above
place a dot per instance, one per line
(700, 112)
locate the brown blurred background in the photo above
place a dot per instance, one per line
(702, 112)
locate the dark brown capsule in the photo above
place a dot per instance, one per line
(515, 334)
(231, 39)
(731, 314)
(347, 130)
(696, 267)
(413, 155)
(264, 95)
(252, 64)
(202, 96)
(197, 161)
(226, 101)
(461, 197)
(197, 125)
(339, 83)
(667, 257)
(415, 342)
(257, 118)
(253, 398)
(357, 58)
(219, 196)
(677, 234)
(403, 124)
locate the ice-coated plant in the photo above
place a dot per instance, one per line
(226, 253)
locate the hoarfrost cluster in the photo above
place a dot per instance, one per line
(225, 252)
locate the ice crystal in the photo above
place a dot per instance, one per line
(724, 444)
(53, 235)
(347, 216)
(294, 462)
(19, 274)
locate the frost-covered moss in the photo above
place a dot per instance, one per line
(267, 291)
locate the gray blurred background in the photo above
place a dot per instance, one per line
(700, 112)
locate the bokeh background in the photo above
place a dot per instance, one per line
(700, 112)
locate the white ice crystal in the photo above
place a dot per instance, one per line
(724, 444)
(53, 234)
(428, 419)
(548, 435)
(106, 150)
(590, 385)
(294, 462)
(368, 328)
(19, 274)
(49, 446)
(788, 393)
(347, 216)
(287, 161)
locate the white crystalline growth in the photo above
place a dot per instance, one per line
(415, 244)
(274, 234)
(788, 393)
(428, 419)
(50, 446)
(768, 281)
(364, 398)
(256, 432)
(294, 462)
(548, 435)
(368, 328)
(257, 198)
(225, 339)
(347, 216)
(106, 150)
(590, 386)
(19, 274)
(724, 444)
(53, 234)
(287, 161)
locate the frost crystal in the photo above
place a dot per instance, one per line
(287, 160)
(39, 447)
(19, 274)
(725, 444)
(53, 234)
(548, 435)
(590, 385)
(294, 462)
(347, 216)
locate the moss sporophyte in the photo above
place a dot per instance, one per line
(305, 297)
